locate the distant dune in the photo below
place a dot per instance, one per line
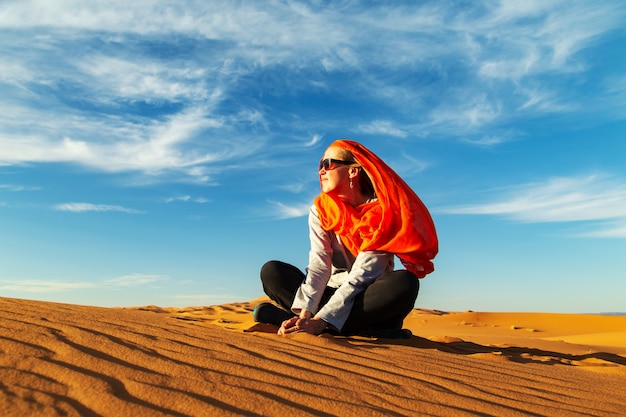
(70, 360)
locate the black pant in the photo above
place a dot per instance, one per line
(384, 304)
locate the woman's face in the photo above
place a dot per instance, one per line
(335, 179)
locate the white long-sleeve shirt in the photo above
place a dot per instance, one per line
(332, 265)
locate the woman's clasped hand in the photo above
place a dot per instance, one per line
(303, 323)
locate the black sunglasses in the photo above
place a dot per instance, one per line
(325, 163)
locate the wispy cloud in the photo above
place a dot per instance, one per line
(464, 116)
(315, 139)
(608, 230)
(43, 286)
(296, 187)
(126, 79)
(586, 198)
(51, 286)
(87, 207)
(545, 35)
(17, 188)
(187, 198)
(381, 127)
(134, 280)
(408, 165)
(286, 211)
(155, 147)
(168, 90)
(487, 140)
(180, 198)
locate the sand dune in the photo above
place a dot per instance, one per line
(59, 359)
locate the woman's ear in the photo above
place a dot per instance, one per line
(353, 172)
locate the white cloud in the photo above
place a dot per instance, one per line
(294, 187)
(187, 198)
(334, 36)
(463, 71)
(181, 198)
(608, 230)
(315, 139)
(285, 211)
(145, 80)
(87, 207)
(42, 286)
(18, 149)
(537, 36)
(15, 73)
(134, 280)
(486, 140)
(17, 188)
(114, 145)
(49, 286)
(587, 198)
(614, 101)
(616, 85)
(545, 101)
(408, 165)
(381, 127)
(464, 116)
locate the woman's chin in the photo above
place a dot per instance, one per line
(329, 191)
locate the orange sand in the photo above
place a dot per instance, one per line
(59, 359)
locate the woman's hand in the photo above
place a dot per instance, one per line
(304, 323)
(288, 326)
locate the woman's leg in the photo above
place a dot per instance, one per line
(385, 303)
(281, 282)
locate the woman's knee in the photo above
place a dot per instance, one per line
(270, 270)
(280, 272)
(404, 283)
(412, 282)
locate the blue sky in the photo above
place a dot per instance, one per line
(160, 152)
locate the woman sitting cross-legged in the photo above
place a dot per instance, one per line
(365, 216)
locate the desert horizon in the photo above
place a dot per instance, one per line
(66, 359)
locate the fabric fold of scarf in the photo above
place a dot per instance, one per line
(398, 222)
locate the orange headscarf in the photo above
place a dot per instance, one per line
(398, 222)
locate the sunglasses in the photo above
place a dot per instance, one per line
(325, 163)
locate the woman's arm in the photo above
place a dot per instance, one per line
(319, 269)
(367, 267)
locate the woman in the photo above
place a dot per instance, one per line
(364, 216)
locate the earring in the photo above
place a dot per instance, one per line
(351, 185)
